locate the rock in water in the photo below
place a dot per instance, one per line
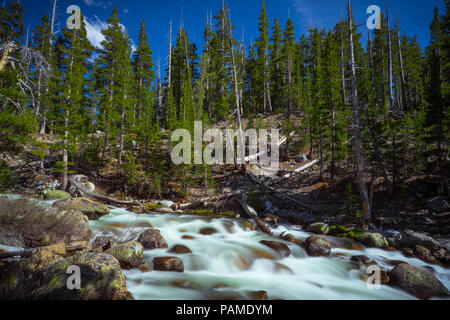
(164, 210)
(319, 228)
(416, 281)
(104, 242)
(167, 204)
(152, 239)
(207, 231)
(180, 249)
(80, 230)
(411, 238)
(279, 247)
(373, 240)
(88, 207)
(129, 254)
(172, 264)
(56, 195)
(100, 274)
(317, 246)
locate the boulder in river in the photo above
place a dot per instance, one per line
(93, 210)
(100, 274)
(373, 240)
(129, 254)
(56, 195)
(152, 239)
(79, 222)
(180, 249)
(164, 210)
(104, 242)
(317, 246)
(411, 238)
(279, 247)
(319, 228)
(167, 204)
(172, 264)
(207, 231)
(416, 281)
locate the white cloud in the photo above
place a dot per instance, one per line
(95, 3)
(126, 10)
(302, 7)
(94, 31)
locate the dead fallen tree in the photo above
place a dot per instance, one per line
(293, 173)
(254, 215)
(98, 197)
(284, 195)
(21, 253)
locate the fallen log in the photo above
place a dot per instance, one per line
(255, 179)
(254, 215)
(21, 253)
(204, 202)
(98, 197)
(293, 173)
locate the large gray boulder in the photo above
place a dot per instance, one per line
(416, 281)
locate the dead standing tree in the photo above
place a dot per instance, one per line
(359, 154)
(23, 59)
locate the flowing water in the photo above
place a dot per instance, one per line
(232, 263)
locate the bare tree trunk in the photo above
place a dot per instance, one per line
(343, 69)
(359, 156)
(391, 94)
(160, 97)
(65, 174)
(236, 94)
(169, 77)
(405, 103)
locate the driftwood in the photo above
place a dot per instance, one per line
(254, 215)
(293, 173)
(203, 202)
(21, 253)
(255, 179)
(95, 196)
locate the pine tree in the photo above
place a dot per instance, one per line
(73, 52)
(276, 66)
(262, 71)
(289, 61)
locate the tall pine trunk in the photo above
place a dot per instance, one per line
(359, 156)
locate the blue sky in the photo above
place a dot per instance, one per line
(415, 16)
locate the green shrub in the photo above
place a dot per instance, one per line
(5, 177)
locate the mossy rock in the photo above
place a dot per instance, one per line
(100, 274)
(129, 254)
(319, 228)
(56, 195)
(80, 230)
(418, 282)
(373, 240)
(93, 210)
(338, 230)
(318, 246)
(151, 207)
